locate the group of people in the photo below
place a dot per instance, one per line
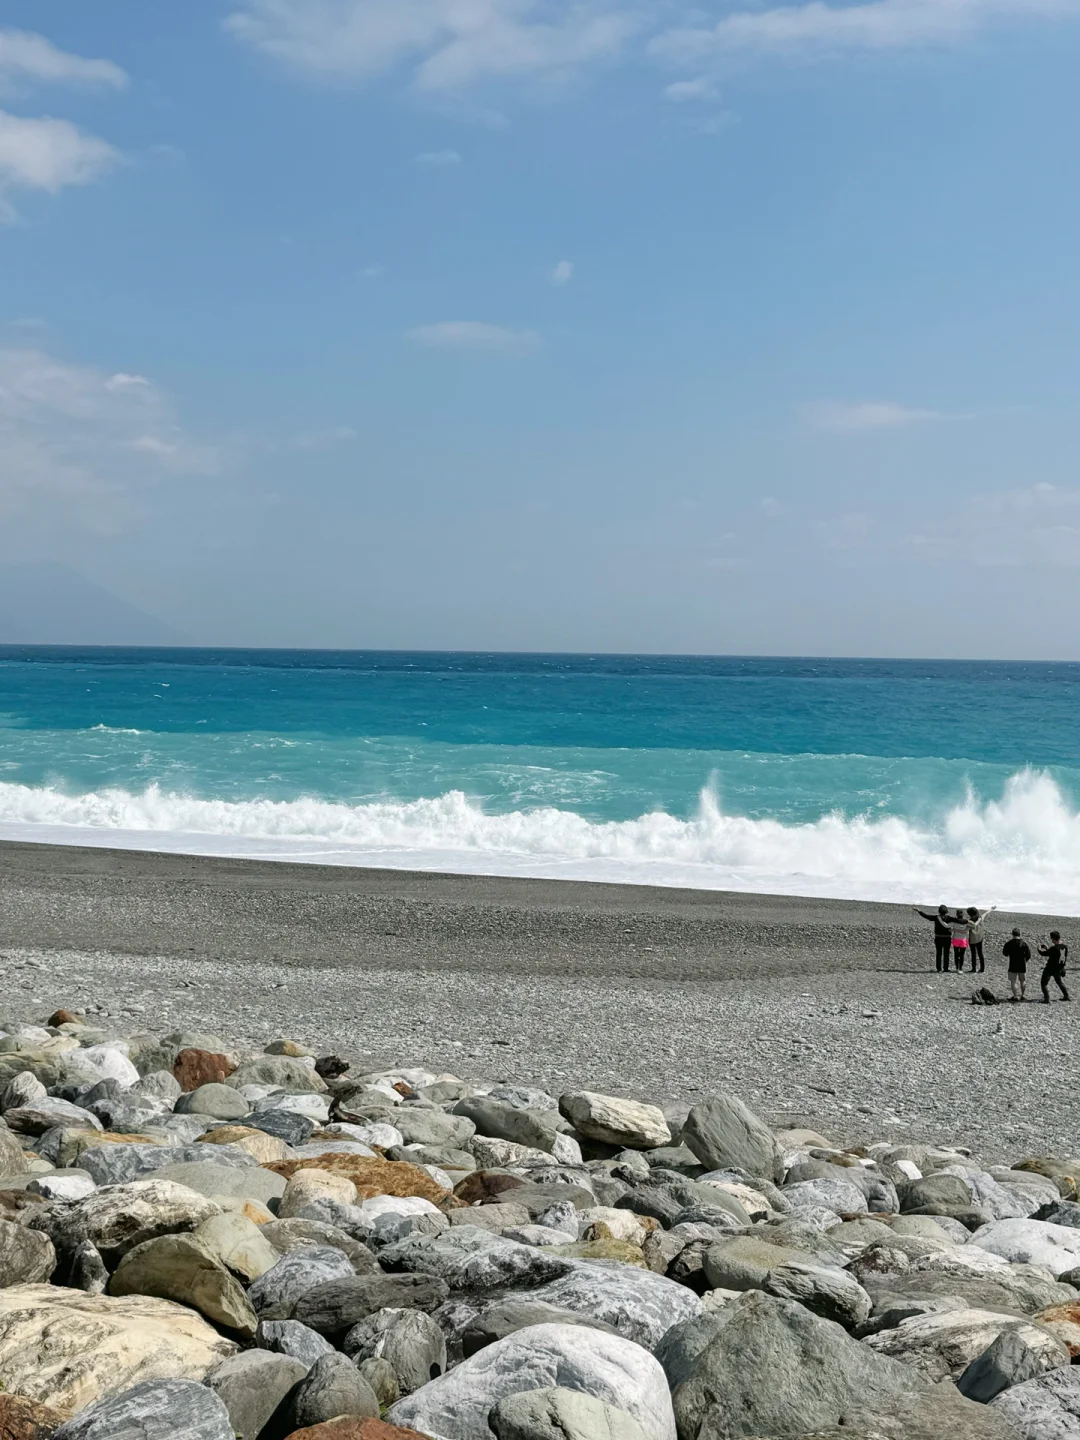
(960, 933)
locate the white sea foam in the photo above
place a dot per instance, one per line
(1022, 851)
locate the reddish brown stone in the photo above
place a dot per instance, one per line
(486, 1185)
(371, 1177)
(351, 1427)
(404, 1088)
(193, 1068)
(23, 1419)
(63, 1017)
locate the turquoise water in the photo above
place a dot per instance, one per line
(904, 780)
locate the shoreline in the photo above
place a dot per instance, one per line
(819, 1012)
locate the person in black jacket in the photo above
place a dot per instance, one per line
(1055, 954)
(942, 936)
(1018, 953)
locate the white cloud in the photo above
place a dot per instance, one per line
(851, 418)
(25, 57)
(474, 335)
(449, 44)
(88, 434)
(1029, 527)
(562, 274)
(437, 158)
(821, 29)
(47, 154)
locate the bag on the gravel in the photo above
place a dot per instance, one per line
(983, 996)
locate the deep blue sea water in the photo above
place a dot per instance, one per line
(879, 779)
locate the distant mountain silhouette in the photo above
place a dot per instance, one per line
(48, 604)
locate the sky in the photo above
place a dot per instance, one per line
(549, 324)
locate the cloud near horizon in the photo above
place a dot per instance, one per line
(851, 418)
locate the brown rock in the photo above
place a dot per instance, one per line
(483, 1185)
(350, 1427)
(24, 1419)
(371, 1177)
(15, 1203)
(193, 1068)
(60, 1017)
(1064, 1322)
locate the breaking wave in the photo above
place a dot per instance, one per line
(1021, 851)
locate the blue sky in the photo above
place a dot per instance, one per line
(523, 324)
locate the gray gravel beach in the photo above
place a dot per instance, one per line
(824, 1013)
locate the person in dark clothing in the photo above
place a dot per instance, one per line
(1018, 953)
(1056, 955)
(977, 935)
(942, 935)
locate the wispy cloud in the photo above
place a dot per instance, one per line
(822, 29)
(851, 418)
(437, 158)
(474, 335)
(29, 58)
(562, 273)
(446, 44)
(87, 434)
(47, 154)
(1035, 525)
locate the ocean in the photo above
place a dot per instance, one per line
(916, 781)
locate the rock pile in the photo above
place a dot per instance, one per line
(199, 1244)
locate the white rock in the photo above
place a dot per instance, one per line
(398, 1205)
(62, 1186)
(380, 1134)
(538, 1235)
(623, 1224)
(492, 1154)
(111, 1063)
(752, 1201)
(22, 1089)
(908, 1168)
(943, 1345)
(614, 1121)
(1032, 1242)
(611, 1369)
(566, 1150)
(315, 1107)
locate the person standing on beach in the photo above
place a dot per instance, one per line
(977, 935)
(942, 935)
(959, 926)
(1018, 952)
(1056, 955)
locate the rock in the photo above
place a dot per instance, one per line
(26, 1256)
(411, 1342)
(282, 1124)
(1044, 1409)
(475, 1260)
(67, 1349)
(1032, 1242)
(505, 1317)
(280, 1071)
(1064, 1322)
(337, 1305)
(932, 1190)
(372, 1178)
(1063, 1212)
(332, 1387)
(289, 1337)
(937, 1413)
(120, 1217)
(23, 1419)
(615, 1121)
(608, 1368)
(639, 1304)
(261, 1147)
(12, 1159)
(724, 1134)
(1064, 1173)
(250, 1182)
(63, 1185)
(275, 1293)
(753, 1377)
(193, 1068)
(418, 1126)
(158, 1085)
(1021, 1289)
(300, 1233)
(619, 1251)
(1015, 1356)
(744, 1262)
(154, 1410)
(252, 1385)
(22, 1089)
(559, 1414)
(308, 1186)
(111, 1163)
(503, 1121)
(110, 1062)
(497, 1217)
(185, 1269)
(221, 1102)
(943, 1346)
(840, 1196)
(87, 1270)
(49, 1114)
(239, 1244)
(832, 1294)
(348, 1428)
(680, 1347)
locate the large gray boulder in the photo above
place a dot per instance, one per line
(942, 1346)
(289, 1337)
(1032, 1242)
(561, 1414)
(338, 1305)
(300, 1233)
(608, 1368)
(419, 1126)
(1044, 1409)
(832, 1294)
(332, 1387)
(410, 1341)
(121, 1164)
(218, 1102)
(155, 1410)
(613, 1121)
(276, 1292)
(26, 1256)
(724, 1134)
(469, 1258)
(774, 1369)
(117, 1218)
(510, 1313)
(1015, 1356)
(252, 1385)
(641, 1305)
(1022, 1289)
(503, 1121)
